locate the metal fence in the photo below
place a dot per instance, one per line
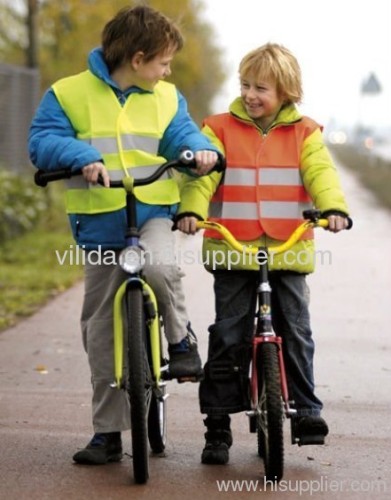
(19, 95)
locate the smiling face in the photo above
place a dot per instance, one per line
(261, 100)
(270, 77)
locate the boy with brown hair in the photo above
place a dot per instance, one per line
(115, 119)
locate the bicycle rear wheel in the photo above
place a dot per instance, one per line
(139, 383)
(157, 422)
(270, 414)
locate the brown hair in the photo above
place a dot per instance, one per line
(275, 63)
(137, 29)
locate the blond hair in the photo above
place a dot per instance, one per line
(275, 63)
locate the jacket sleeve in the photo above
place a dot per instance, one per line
(320, 176)
(196, 192)
(183, 132)
(52, 142)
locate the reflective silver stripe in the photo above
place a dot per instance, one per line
(240, 177)
(283, 209)
(108, 145)
(105, 145)
(266, 176)
(234, 210)
(77, 182)
(268, 210)
(141, 142)
(280, 177)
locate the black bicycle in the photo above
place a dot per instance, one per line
(138, 332)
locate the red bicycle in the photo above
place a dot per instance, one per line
(270, 402)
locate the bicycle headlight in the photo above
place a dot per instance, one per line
(132, 259)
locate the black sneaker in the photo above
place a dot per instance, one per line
(102, 448)
(218, 441)
(309, 430)
(185, 362)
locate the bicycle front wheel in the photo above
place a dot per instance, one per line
(270, 414)
(139, 383)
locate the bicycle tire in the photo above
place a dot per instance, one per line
(270, 415)
(157, 423)
(139, 384)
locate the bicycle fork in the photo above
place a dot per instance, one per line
(256, 343)
(153, 330)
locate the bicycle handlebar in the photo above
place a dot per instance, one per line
(186, 159)
(310, 223)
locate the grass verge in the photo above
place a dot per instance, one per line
(30, 273)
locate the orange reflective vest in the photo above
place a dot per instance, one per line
(262, 190)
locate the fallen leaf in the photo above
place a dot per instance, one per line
(41, 369)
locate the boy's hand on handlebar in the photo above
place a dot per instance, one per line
(205, 161)
(187, 225)
(92, 172)
(337, 223)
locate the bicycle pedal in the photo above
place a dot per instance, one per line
(191, 378)
(317, 439)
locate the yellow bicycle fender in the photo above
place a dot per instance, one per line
(154, 332)
(118, 334)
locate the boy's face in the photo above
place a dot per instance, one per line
(149, 73)
(260, 99)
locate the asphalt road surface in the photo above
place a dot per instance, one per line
(45, 391)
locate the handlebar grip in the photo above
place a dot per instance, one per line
(350, 223)
(41, 178)
(221, 164)
(187, 157)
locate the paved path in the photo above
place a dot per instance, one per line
(45, 392)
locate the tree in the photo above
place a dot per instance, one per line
(69, 29)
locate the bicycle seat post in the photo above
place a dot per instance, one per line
(264, 324)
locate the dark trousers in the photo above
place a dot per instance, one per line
(225, 388)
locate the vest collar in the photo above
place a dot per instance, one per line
(288, 114)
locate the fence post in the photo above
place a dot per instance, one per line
(19, 94)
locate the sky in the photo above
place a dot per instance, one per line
(338, 44)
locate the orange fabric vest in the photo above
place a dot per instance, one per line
(262, 190)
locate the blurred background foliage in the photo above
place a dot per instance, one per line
(63, 32)
(21, 204)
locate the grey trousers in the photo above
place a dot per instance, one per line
(110, 406)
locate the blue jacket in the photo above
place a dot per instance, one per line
(53, 145)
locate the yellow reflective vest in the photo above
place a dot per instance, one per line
(126, 136)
